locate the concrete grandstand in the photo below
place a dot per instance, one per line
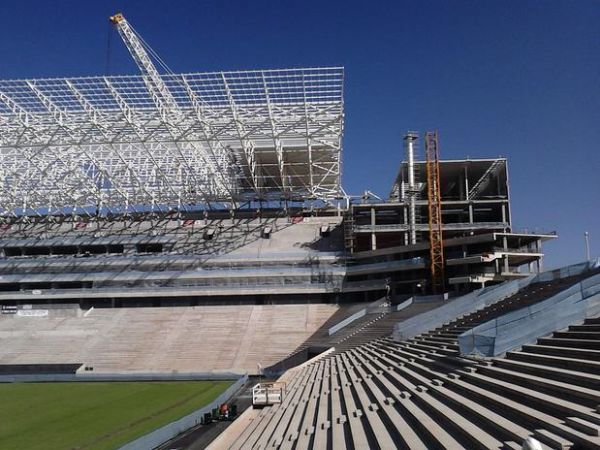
(230, 339)
(423, 392)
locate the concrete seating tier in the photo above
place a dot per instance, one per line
(183, 339)
(177, 236)
(422, 394)
(364, 329)
(172, 255)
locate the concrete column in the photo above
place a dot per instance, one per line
(405, 209)
(466, 172)
(373, 235)
(505, 245)
(470, 213)
(504, 212)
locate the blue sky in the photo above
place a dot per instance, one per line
(513, 78)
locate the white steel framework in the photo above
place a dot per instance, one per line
(116, 144)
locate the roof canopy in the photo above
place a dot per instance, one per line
(228, 137)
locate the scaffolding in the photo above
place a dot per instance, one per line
(436, 243)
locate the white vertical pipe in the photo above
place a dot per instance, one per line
(410, 158)
(586, 236)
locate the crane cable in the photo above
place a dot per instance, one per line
(146, 46)
(152, 53)
(108, 49)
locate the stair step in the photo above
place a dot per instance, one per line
(591, 335)
(583, 425)
(449, 337)
(588, 327)
(519, 378)
(512, 445)
(435, 343)
(582, 353)
(577, 343)
(553, 440)
(522, 412)
(557, 361)
(550, 373)
(530, 396)
(439, 339)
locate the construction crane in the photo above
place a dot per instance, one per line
(216, 157)
(156, 86)
(436, 241)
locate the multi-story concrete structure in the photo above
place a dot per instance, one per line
(480, 245)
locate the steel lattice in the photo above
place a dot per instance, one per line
(104, 142)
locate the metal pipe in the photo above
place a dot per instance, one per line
(409, 139)
(586, 235)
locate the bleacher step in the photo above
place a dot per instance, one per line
(584, 327)
(553, 440)
(512, 445)
(590, 335)
(546, 383)
(583, 353)
(583, 425)
(577, 343)
(530, 396)
(557, 361)
(551, 373)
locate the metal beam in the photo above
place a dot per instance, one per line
(84, 142)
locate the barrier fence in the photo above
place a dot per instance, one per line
(569, 307)
(480, 299)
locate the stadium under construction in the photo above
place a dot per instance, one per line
(213, 204)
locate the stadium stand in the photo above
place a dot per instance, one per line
(376, 323)
(422, 393)
(185, 339)
(171, 259)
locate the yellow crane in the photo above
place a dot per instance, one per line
(434, 200)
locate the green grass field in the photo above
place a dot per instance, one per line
(94, 415)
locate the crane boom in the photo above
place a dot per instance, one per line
(215, 179)
(155, 84)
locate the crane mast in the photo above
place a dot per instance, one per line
(434, 200)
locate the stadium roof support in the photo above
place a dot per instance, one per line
(84, 145)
